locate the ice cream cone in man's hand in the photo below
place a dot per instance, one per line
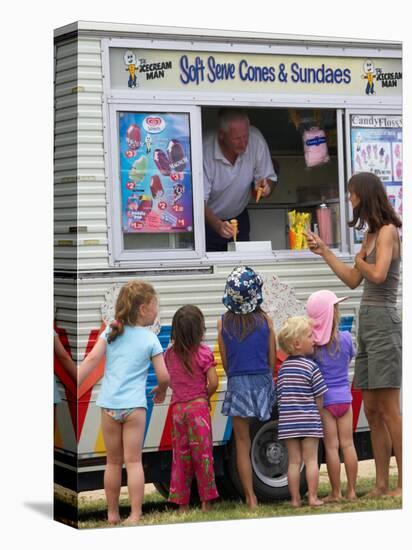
(263, 188)
(234, 226)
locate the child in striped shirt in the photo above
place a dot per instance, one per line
(300, 387)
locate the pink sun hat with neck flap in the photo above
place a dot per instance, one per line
(319, 308)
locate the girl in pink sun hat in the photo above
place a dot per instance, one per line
(333, 353)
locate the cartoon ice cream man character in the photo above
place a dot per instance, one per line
(132, 65)
(148, 142)
(369, 74)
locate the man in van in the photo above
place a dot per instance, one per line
(234, 158)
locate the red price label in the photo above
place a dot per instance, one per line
(130, 185)
(129, 154)
(162, 205)
(136, 225)
(181, 222)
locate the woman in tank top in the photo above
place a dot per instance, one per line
(378, 364)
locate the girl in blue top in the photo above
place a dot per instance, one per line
(129, 347)
(247, 348)
(333, 354)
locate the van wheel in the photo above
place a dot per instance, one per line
(162, 487)
(269, 459)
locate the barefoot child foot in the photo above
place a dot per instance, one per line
(332, 498)
(252, 503)
(376, 493)
(131, 520)
(315, 502)
(206, 506)
(113, 519)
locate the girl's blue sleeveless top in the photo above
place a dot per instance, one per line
(251, 355)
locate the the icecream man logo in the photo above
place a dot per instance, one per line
(369, 73)
(132, 65)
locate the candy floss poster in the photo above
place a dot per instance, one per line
(379, 150)
(155, 170)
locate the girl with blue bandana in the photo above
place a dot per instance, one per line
(247, 348)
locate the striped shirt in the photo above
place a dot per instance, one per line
(299, 383)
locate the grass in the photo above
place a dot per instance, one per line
(157, 511)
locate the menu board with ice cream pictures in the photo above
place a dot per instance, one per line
(155, 170)
(376, 144)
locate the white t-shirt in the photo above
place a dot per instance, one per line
(127, 364)
(226, 186)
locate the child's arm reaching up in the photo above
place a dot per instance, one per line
(163, 379)
(91, 361)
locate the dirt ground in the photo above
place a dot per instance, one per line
(366, 469)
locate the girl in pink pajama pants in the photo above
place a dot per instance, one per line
(193, 379)
(192, 452)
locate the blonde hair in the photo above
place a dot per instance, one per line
(131, 296)
(293, 329)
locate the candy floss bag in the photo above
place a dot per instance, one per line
(315, 147)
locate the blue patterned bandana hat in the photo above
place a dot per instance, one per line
(243, 291)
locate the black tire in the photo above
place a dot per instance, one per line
(224, 484)
(162, 487)
(269, 460)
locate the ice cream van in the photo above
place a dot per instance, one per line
(132, 106)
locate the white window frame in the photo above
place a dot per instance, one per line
(117, 252)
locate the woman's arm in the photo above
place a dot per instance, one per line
(221, 344)
(92, 360)
(351, 276)
(377, 272)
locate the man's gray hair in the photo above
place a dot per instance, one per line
(227, 115)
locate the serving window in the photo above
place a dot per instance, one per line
(156, 180)
(304, 196)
